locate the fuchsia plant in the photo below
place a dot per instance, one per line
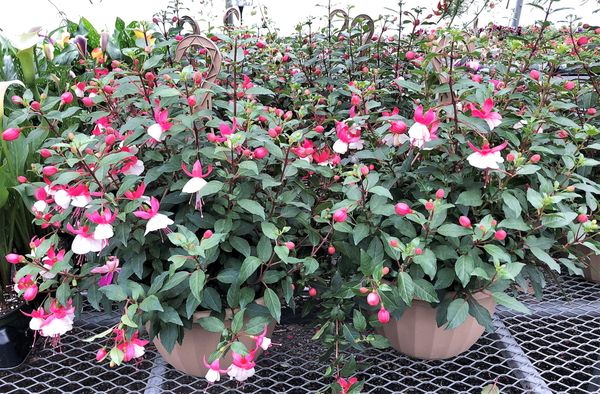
(429, 179)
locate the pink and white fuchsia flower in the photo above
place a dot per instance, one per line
(424, 129)
(242, 367)
(104, 229)
(107, 271)
(76, 196)
(59, 321)
(214, 371)
(156, 221)
(162, 125)
(51, 258)
(84, 241)
(134, 348)
(486, 157)
(348, 138)
(27, 287)
(493, 119)
(397, 135)
(261, 340)
(197, 182)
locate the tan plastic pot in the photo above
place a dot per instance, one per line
(591, 271)
(417, 335)
(198, 343)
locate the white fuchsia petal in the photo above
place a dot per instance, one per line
(194, 185)
(155, 131)
(158, 222)
(81, 245)
(340, 147)
(103, 231)
(62, 199)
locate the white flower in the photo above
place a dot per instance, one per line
(483, 161)
(158, 222)
(213, 375)
(83, 245)
(194, 185)
(419, 134)
(103, 231)
(240, 374)
(156, 131)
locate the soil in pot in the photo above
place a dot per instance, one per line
(16, 339)
(197, 344)
(417, 334)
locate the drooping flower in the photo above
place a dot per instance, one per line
(137, 193)
(486, 157)
(104, 229)
(162, 124)
(77, 196)
(242, 367)
(156, 221)
(37, 318)
(261, 340)
(493, 119)
(81, 44)
(424, 129)
(59, 321)
(214, 370)
(397, 135)
(325, 157)
(304, 151)
(197, 182)
(52, 257)
(134, 348)
(346, 384)
(348, 138)
(84, 241)
(107, 271)
(27, 287)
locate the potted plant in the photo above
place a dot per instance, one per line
(194, 221)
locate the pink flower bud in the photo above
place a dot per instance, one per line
(16, 100)
(178, 37)
(35, 106)
(22, 179)
(331, 250)
(510, 157)
(465, 221)
(429, 205)
(363, 290)
(260, 153)
(535, 158)
(14, 258)
(88, 102)
(582, 218)
(591, 111)
(101, 354)
(373, 299)
(66, 98)
(262, 118)
(569, 85)
(383, 316)
(393, 243)
(534, 74)
(49, 170)
(500, 235)
(30, 293)
(418, 251)
(410, 55)
(11, 134)
(207, 234)
(290, 245)
(402, 209)
(312, 292)
(364, 170)
(319, 129)
(398, 127)
(439, 194)
(355, 100)
(191, 100)
(340, 215)
(45, 153)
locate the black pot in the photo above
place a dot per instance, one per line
(16, 339)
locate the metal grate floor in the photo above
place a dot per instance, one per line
(552, 350)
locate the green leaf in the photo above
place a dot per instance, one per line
(197, 283)
(470, 198)
(545, 257)
(361, 230)
(211, 324)
(453, 230)
(170, 315)
(152, 62)
(175, 280)
(253, 207)
(273, 304)
(240, 244)
(151, 303)
(4, 85)
(381, 191)
(211, 299)
(481, 314)
(457, 313)
(425, 291)
(238, 321)
(249, 265)
(497, 253)
(114, 293)
(269, 230)
(259, 90)
(406, 288)
(408, 85)
(239, 348)
(558, 220)
(512, 203)
(428, 262)
(211, 187)
(535, 199)
(463, 268)
(358, 320)
(509, 302)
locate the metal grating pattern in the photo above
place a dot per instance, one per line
(553, 350)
